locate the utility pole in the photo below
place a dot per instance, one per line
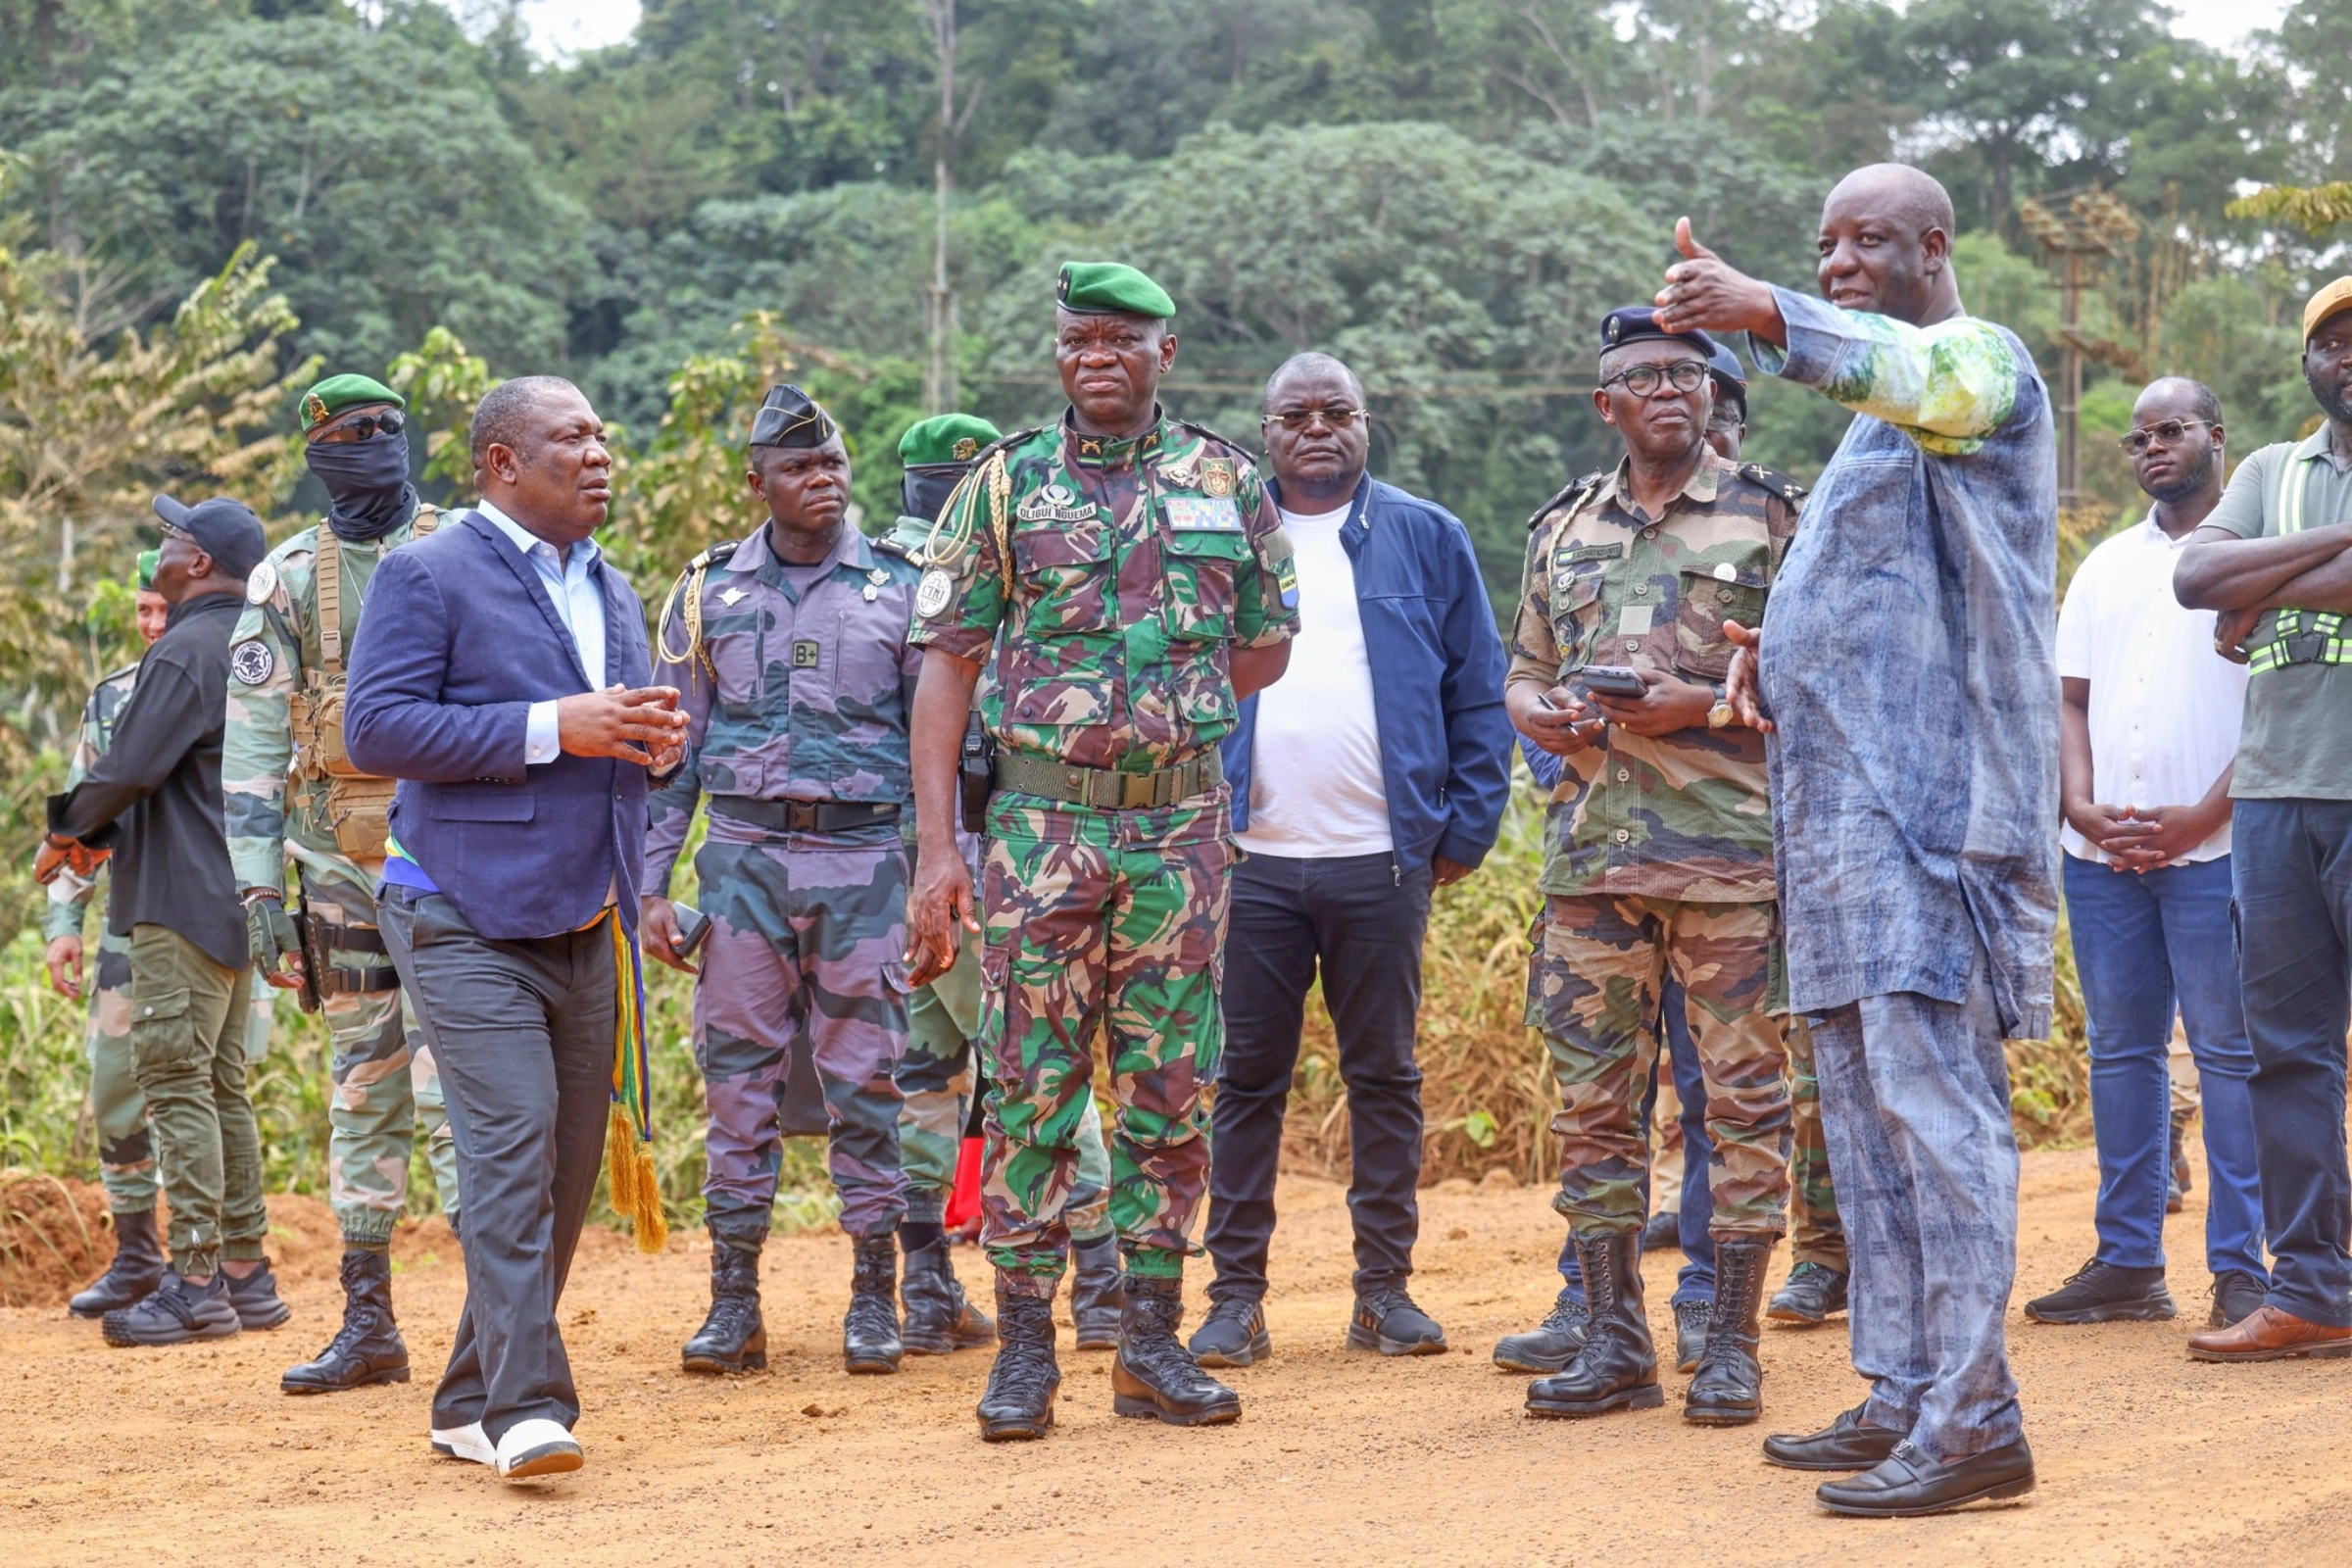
(939, 392)
(2086, 228)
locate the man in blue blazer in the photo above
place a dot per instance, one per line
(503, 678)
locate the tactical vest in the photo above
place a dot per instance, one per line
(2298, 636)
(359, 806)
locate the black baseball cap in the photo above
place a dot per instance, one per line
(226, 530)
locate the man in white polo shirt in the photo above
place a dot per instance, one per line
(1375, 771)
(2149, 729)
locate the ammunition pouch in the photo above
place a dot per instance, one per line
(322, 940)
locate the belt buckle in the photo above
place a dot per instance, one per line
(2303, 647)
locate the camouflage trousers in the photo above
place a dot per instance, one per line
(384, 1089)
(1814, 1234)
(808, 939)
(936, 1076)
(118, 1111)
(1594, 991)
(1100, 923)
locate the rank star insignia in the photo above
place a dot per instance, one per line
(878, 577)
(732, 597)
(1217, 476)
(931, 596)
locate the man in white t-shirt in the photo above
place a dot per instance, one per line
(1376, 770)
(2149, 740)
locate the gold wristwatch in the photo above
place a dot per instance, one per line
(1720, 716)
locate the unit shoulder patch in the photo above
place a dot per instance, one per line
(251, 661)
(262, 584)
(934, 593)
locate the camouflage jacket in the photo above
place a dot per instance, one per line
(68, 895)
(794, 694)
(270, 810)
(1136, 566)
(1676, 816)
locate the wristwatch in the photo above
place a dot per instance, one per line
(1720, 715)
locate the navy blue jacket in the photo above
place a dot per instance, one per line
(1436, 679)
(461, 638)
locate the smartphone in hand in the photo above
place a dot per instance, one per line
(1613, 681)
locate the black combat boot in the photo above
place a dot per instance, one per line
(1728, 1389)
(1551, 1343)
(368, 1348)
(137, 1269)
(1155, 1375)
(869, 1330)
(1097, 1296)
(940, 1319)
(1618, 1367)
(732, 1339)
(1018, 1402)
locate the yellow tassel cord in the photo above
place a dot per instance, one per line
(629, 1141)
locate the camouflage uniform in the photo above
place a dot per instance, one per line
(1134, 567)
(943, 1022)
(798, 697)
(1814, 1234)
(275, 791)
(1659, 851)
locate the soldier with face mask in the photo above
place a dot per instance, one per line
(292, 794)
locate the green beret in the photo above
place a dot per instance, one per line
(149, 559)
(336, 393)
(1111, 288)
(945, 439)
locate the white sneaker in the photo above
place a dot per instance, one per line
(468, 1441)
(539, 1447)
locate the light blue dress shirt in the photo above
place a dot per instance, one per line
(579, 602)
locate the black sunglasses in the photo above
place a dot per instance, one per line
(388, 421)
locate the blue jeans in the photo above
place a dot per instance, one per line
(1915, 1108)
(2294, 935)
(1692, 1221)
(2143, 944)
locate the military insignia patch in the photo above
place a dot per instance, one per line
(732, 597)
(1217, 476)
(873, 593)
(932, 595)
(252, 662)
(313, 409)
(261, 584)
(1054, 504)
(804, 653)
(1192, 515)
(1727, 572)
(1285, 582)
(965, 449)
(877, 577)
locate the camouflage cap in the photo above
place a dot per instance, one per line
(149, 559)
(1111, 288)
(336, 393)
(790, 418)
(945, 439)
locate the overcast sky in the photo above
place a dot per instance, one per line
(566, 26)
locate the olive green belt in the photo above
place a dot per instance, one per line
(1106, 789)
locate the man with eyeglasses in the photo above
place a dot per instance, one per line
(291, 795)
(1376, 771)
(1658, 860)
(2275, 558)
(2148, 741)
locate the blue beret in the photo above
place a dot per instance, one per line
(1633, 322)
(1725, 367)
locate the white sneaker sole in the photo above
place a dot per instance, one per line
(463, 1443)
(548, 1459)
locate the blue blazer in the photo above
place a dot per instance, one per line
(1436, 679)
(459, 639)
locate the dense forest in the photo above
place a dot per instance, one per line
(202, 201)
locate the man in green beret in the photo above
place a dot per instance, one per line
(292, 794)
(944, 1020)
(1127, 581)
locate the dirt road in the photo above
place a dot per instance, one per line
(191, 1455)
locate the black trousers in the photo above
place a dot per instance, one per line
(1360, 921)
(522, 1033)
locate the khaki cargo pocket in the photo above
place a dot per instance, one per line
(1199, 569)
(162, 1037)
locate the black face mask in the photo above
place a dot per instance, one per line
(924, 491)
(366, 483)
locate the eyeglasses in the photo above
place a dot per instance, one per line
(2168, 431)
(1337, 419)
(1642, 381)
(388, 421)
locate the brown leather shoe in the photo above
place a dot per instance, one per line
(2268, 1334)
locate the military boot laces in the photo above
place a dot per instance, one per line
(1018, 1402)
(1551, 1343)
(1154, 1376)
(368, 1348)
(732, 1339)
(137, 1269)
(1617, 1369)
(1097, 1294)
(869, 1330)
(940, 1318)
(1729, 1388)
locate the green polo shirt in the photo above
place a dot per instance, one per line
(2292, 745)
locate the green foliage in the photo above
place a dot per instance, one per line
(443, 385)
